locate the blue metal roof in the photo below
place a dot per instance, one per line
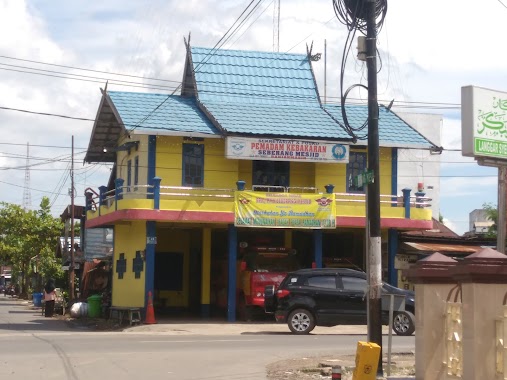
(262, 93)
(276, 120)
(174, 113)
(393, 131)
(253, 77)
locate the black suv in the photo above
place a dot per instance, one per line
(328, 297)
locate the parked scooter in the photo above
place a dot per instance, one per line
(10, 291)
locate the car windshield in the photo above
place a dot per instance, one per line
(271, 262)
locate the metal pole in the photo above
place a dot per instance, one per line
(500, 236)
(71, 269)
(325, 71)
(390, 337)
(375, 257)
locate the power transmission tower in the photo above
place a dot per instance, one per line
(27, 198)
(276, 26)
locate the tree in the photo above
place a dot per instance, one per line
(28, 240)
(492, 214)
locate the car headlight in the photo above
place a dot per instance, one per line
(259, 294)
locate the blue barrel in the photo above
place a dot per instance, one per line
(37, 299)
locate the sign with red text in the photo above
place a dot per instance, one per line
(284, 210)
(245, 148)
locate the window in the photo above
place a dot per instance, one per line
(129, 174)
(136, 172)
(356, 165)
(327, 282)
(354, 284)
(193, 165)
(270, 173)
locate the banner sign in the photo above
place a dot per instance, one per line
(483, 122)
(284, 210)
(245, 148)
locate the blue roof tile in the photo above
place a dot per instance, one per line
(174, 113)
(262, 93)
(393, 131)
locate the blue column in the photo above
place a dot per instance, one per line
(149, 285)
(392, 249)
(152, 163)
(118, 194)
(317, 247)
(240, 185)
(231, 291)
(102, 195)
(156, 193)
(406, 202)
(394, 177)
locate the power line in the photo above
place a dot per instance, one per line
(89, 70)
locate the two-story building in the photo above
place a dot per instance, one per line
(246, 155)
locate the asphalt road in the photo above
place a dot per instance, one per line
(47, 348)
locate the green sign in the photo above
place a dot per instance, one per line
(364, 178)
(490, 147)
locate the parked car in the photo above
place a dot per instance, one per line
(328, 297)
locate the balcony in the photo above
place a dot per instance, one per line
(189, 204)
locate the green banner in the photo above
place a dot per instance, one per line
(284, 210)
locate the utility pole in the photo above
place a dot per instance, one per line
(276, 26)
(71, 268)
(373, 194)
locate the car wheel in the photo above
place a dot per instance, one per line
(301, 321)
(404, 323)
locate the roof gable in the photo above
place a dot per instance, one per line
(253, 77)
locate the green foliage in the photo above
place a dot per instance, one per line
(28, 241)
(492, 213)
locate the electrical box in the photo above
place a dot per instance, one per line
(361, 48)
(367, 357)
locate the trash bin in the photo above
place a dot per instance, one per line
(37, 299)
(94, 306)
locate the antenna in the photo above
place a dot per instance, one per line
(276, 26)
(27, 198)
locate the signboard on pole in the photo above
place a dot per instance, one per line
(246, 148)
(483, 122)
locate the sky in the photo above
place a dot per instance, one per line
(429, 50)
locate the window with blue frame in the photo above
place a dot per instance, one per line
(270, 173)
(357, 164)
(193, 165)
(129, 174)
(136, 172)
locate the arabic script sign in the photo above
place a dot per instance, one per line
(483, 122)
(246, 148)
(284, 210)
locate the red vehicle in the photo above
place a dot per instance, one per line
(261, 266)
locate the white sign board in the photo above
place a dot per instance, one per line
(483, 122)
(245, 148)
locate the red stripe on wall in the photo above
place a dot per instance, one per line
(228, 218)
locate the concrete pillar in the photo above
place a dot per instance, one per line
(433, 282)
(483, 279)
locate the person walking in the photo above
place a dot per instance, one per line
(49, 298)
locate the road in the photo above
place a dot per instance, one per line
(48, 348)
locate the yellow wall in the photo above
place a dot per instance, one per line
(122, 160)
(175, 240)
(385, 170)
(219, 172)
(129, 238)
(336, 173)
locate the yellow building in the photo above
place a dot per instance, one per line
(245, 156)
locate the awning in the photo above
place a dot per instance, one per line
(443, 248)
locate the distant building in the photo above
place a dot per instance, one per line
(479, 222)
